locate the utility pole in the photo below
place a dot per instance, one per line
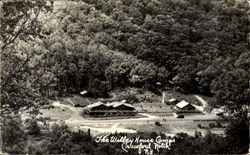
(163, 96)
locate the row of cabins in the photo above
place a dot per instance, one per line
(110, 109)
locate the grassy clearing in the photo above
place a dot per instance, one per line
(171, 127)
(154, 108)
(161, 114)
(76, 99)
(56, 113)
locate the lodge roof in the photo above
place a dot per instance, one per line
(95, 105)
(125, 104)
(112, 104)
(117, 104)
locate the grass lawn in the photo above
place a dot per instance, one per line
(162, 114)
(171, 127)
(57, 113)
(76, 99)
(154, 108)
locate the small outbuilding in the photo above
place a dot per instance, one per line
(83, 92)
(172, 101)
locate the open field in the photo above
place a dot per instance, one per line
(161, 114)
(77, 99)
(57, 113)
(173, 127)
(159, 109)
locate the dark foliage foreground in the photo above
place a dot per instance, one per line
(32, 138)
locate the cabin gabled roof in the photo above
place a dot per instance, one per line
(83, 92)
(125, 104)
(172, 100)
(117, 104)
(95, 105)
(182, 104)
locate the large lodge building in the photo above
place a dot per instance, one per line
(110, 109)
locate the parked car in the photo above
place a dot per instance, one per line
(220, 114)
(158, 123)
(180, 116)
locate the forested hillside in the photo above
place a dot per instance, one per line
(198, 46)
(110, 44)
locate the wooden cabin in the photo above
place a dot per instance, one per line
(124, 107)
(184, 106)
(172, 101)
(110, 109)
(97, 106)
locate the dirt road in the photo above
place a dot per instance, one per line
(203, 102)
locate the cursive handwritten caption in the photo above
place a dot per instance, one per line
(148, 146)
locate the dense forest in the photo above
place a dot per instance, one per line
(102, 45)
(55, 48)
